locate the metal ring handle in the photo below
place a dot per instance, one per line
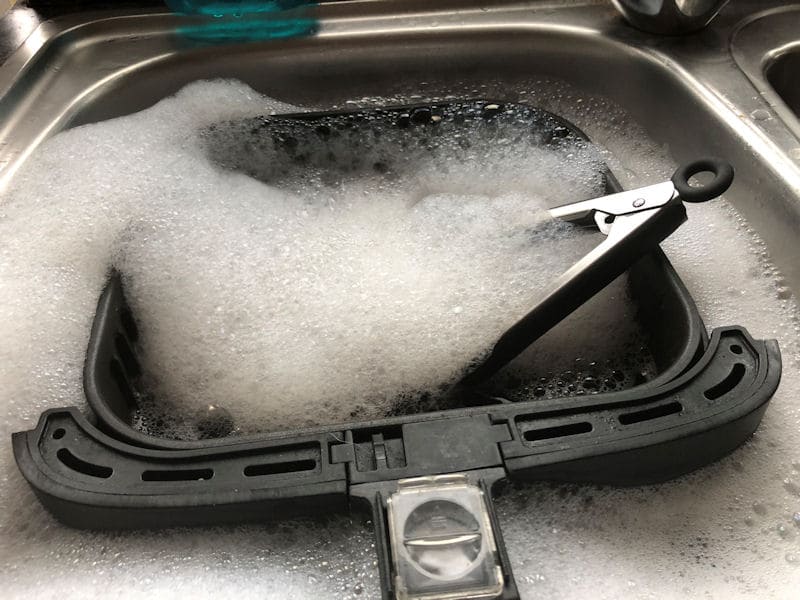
(723, 177)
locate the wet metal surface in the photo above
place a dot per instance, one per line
(687, 92)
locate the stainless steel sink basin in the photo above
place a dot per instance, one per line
(784, 75)
(767, 48)
(686, 93)
(731, 90)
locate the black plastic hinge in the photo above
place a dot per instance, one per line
(428, 447)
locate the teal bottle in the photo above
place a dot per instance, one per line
(245, 20)
(237, 8)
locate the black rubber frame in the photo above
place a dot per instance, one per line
(91, 480)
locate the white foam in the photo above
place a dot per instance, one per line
(292, 309)
(139, 192)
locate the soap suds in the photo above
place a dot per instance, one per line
(320, 293)
(334, 291)
(728, 530)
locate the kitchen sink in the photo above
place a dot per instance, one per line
(731, 90)
(81, 70)
(767, 48)
(784, 73)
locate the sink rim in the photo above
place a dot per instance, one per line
(338, 21)
(695, 77)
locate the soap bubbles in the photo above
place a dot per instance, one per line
(208, 250)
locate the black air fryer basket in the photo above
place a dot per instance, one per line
(708, 397)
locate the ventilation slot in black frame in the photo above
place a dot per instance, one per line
(648, 414)
(279, 468)
(177, 474)
(548, 433)
(82, 466)
(726, 385)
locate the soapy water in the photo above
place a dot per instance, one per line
(383, 255)
(331, 290)
(729, 530)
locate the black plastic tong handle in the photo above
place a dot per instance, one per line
(573, 291)
(723, 177)
(618, 257)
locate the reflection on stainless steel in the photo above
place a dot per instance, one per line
(767, 48)
(687, 93)
(669, 16)
(19, 23)
(784, 75)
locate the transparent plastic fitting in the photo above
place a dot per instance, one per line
(443, 546)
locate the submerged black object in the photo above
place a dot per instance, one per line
(635, 222)
(89, 479)
(709, 397)
(300, 143)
